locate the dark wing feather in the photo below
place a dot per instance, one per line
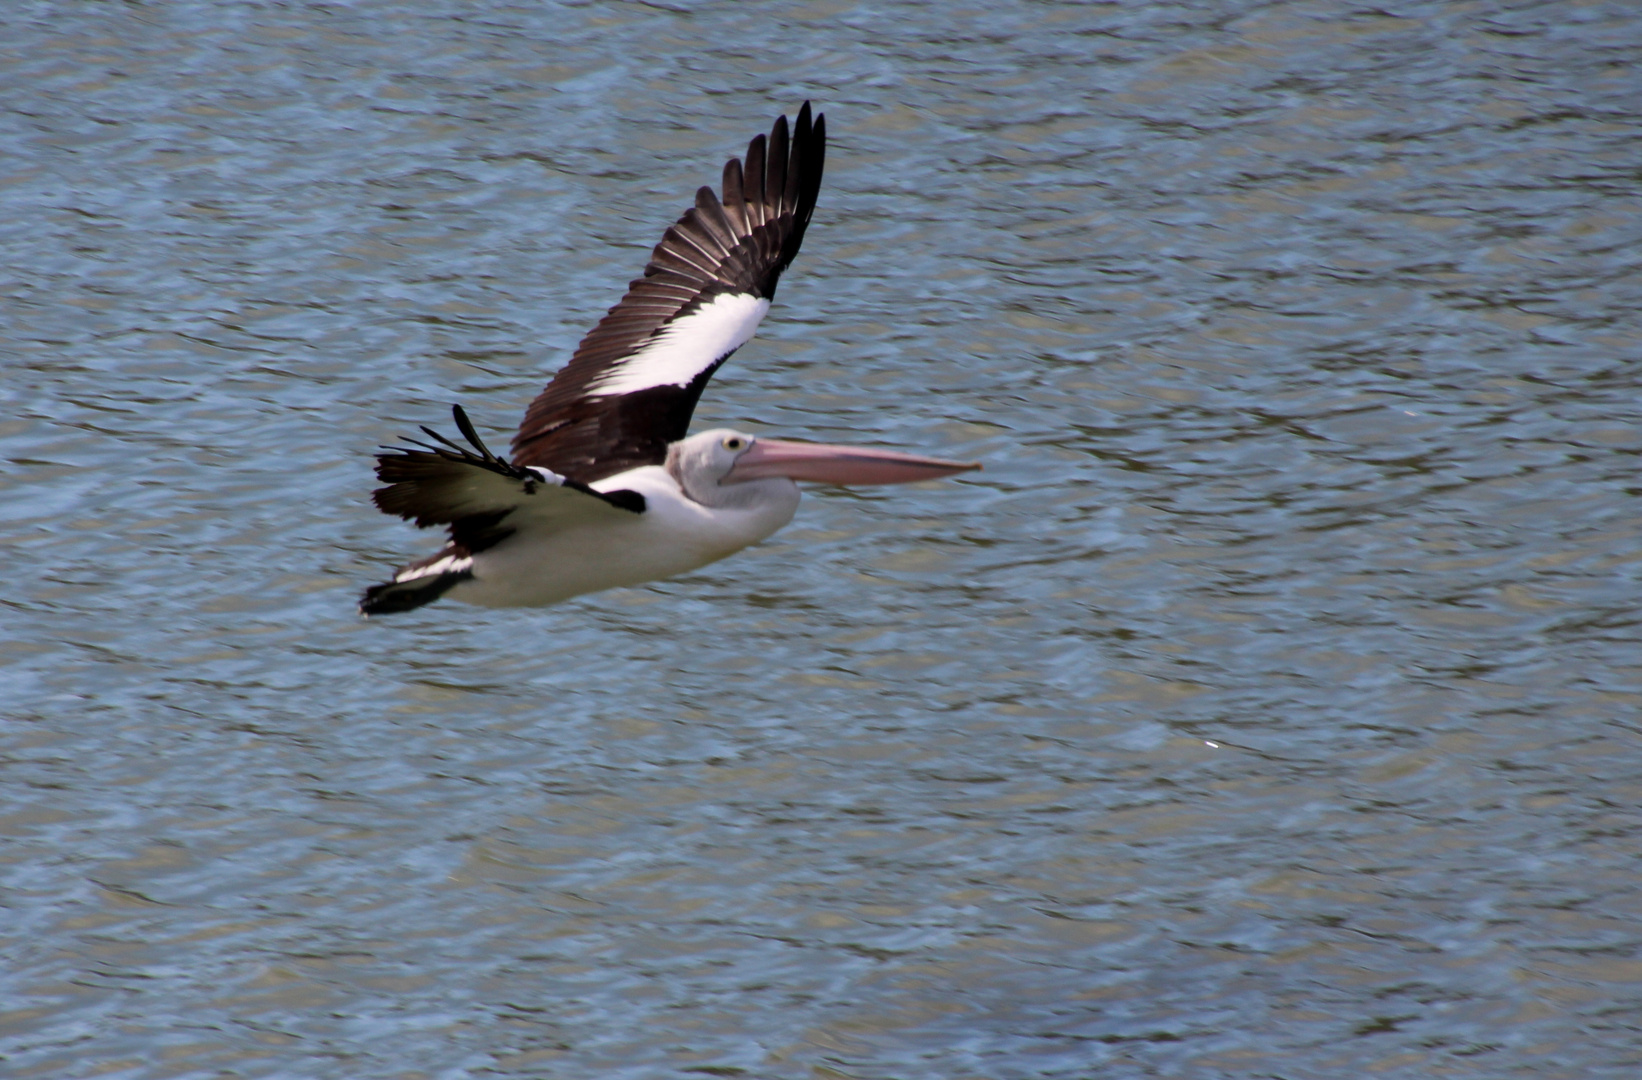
(607, 412)
(481, 497)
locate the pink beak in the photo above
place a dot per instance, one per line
(825, 464)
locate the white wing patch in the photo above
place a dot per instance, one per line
(450, 564)
(687, 346)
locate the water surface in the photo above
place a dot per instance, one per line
(1268, 707)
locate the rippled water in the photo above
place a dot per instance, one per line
(1268, 707)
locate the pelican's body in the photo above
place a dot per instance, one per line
(603, 488)
(674, 535)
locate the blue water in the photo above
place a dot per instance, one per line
(1268, 707)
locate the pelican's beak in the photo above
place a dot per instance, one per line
(825, 464)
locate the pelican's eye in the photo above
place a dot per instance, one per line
(735, 442)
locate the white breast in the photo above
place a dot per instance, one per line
(675, 534)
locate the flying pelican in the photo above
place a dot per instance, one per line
(603, 488)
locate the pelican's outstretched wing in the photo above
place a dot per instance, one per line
(634, 380)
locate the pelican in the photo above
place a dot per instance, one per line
(603, 488)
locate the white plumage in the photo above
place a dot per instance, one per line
(688, 346)
(675, 534)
